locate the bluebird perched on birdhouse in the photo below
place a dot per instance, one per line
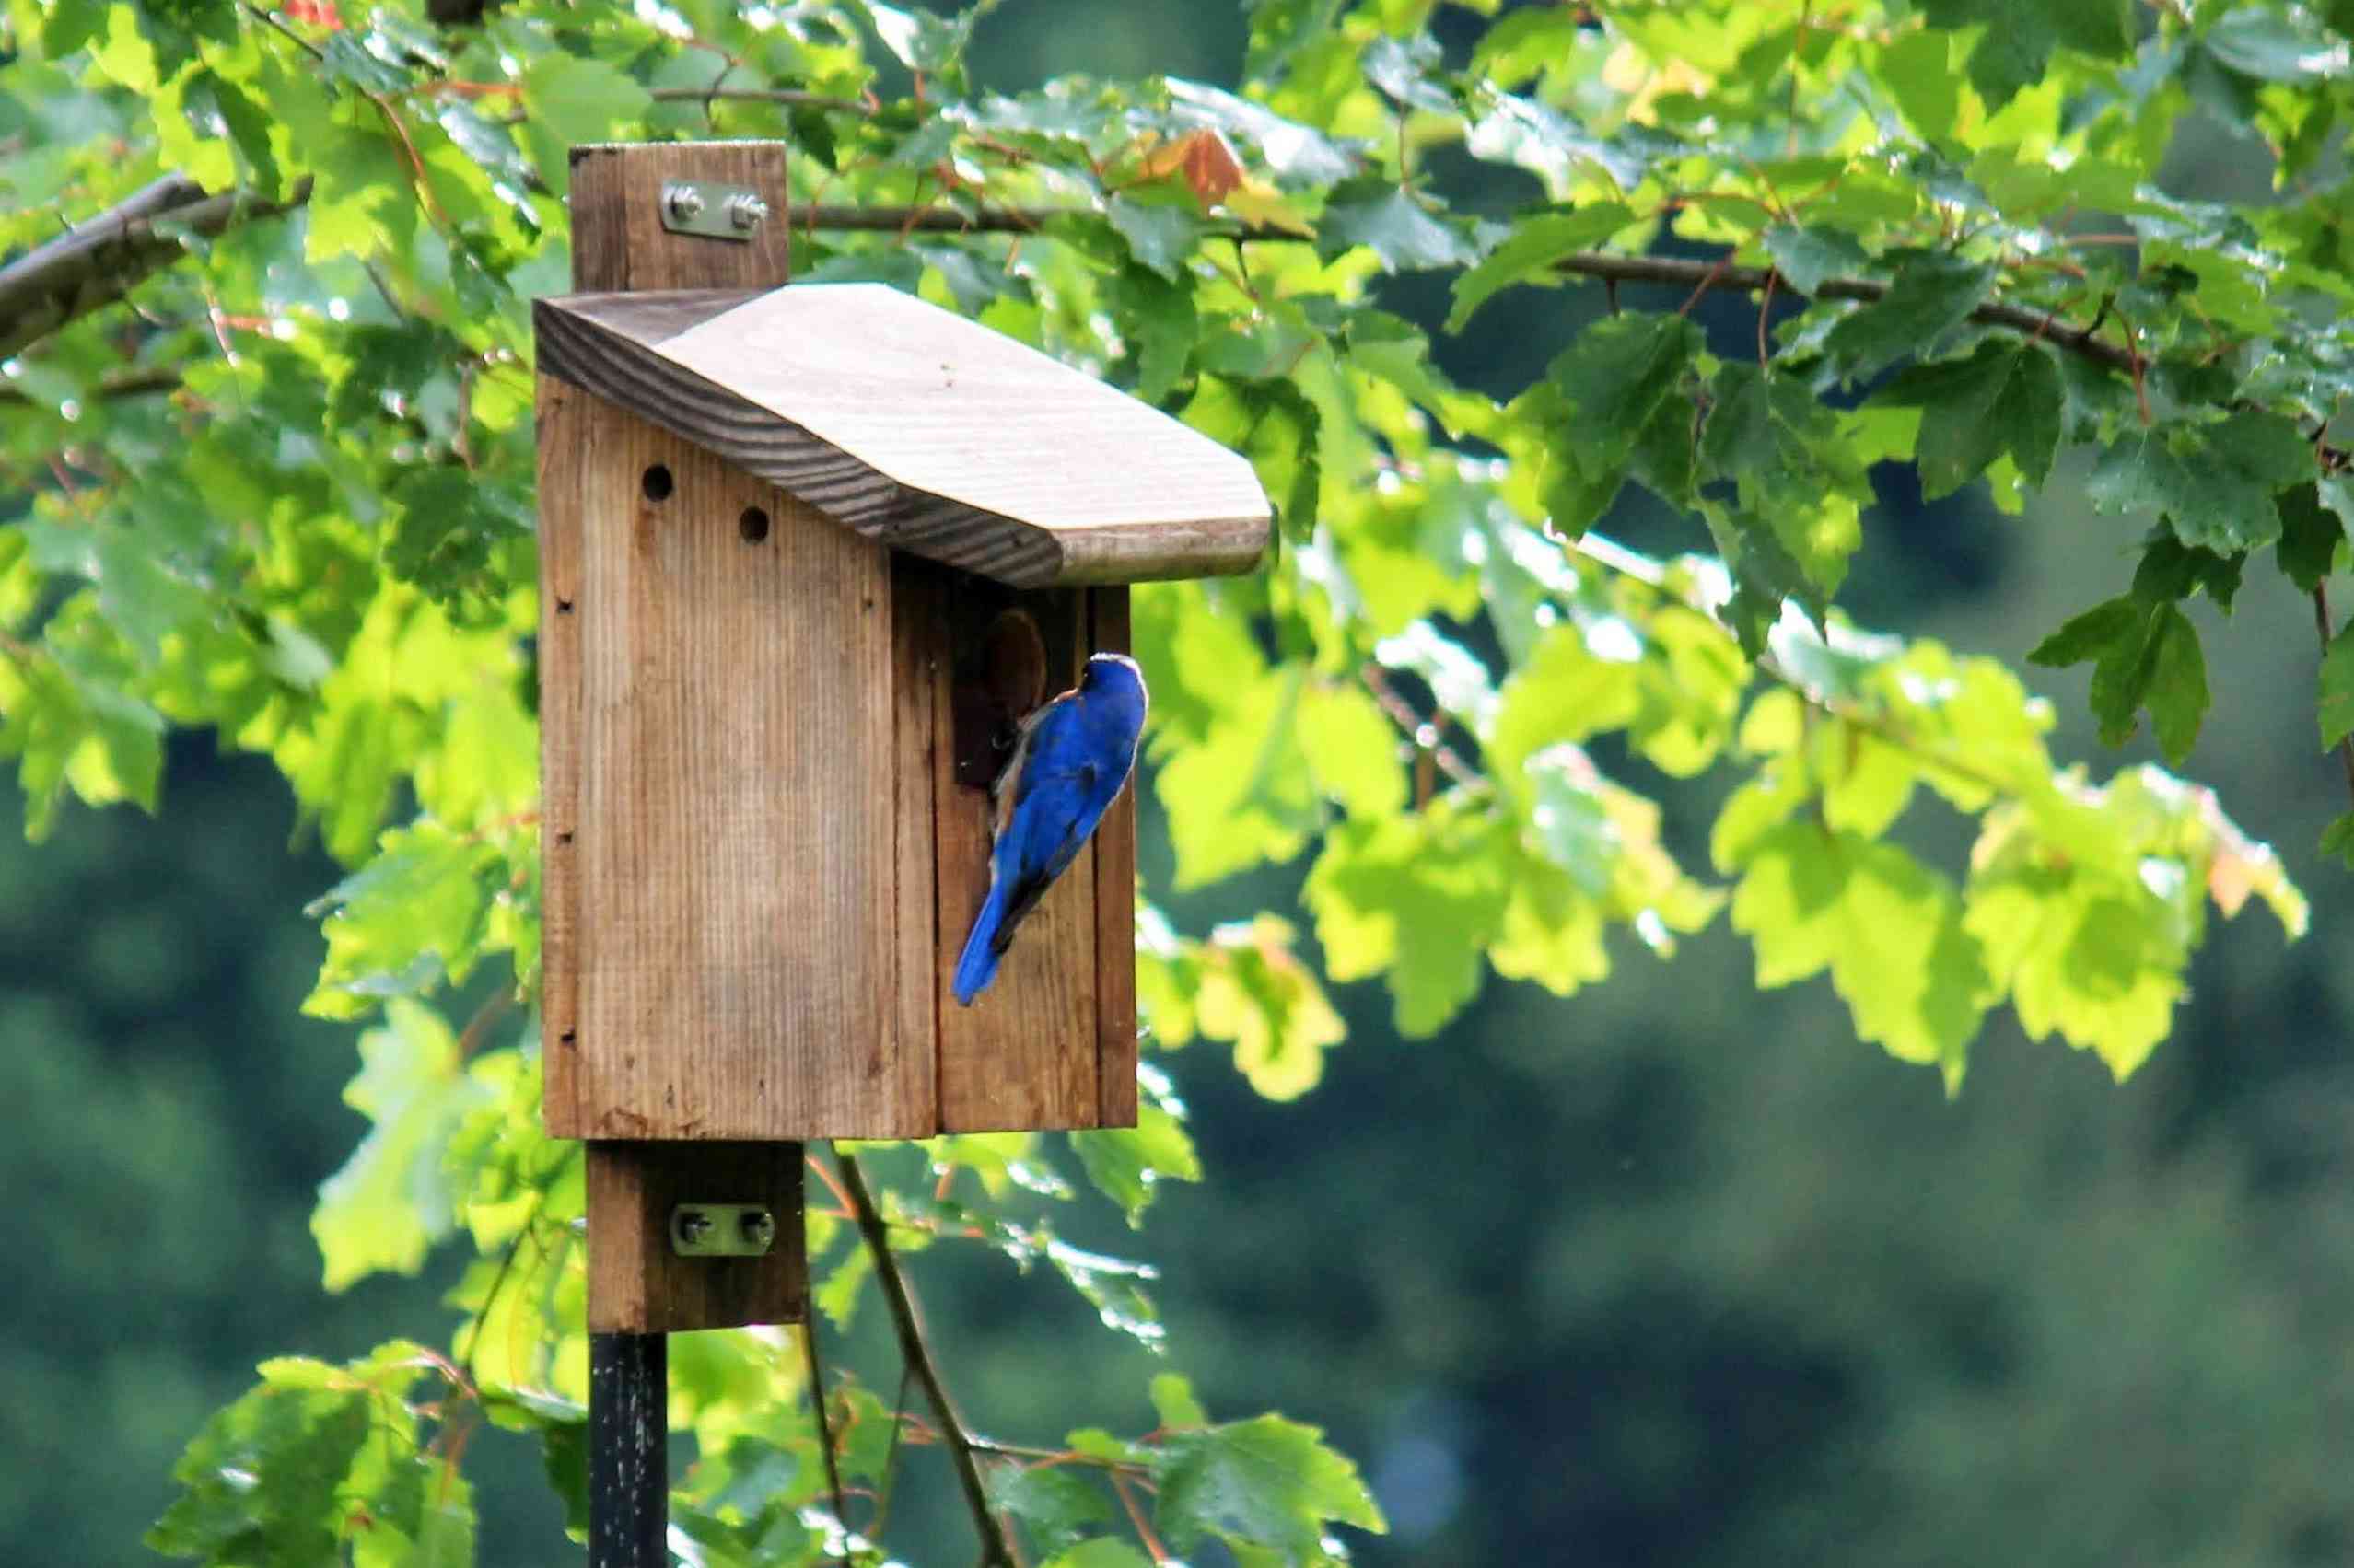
(1070, 762)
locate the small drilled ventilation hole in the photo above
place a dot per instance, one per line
(656, 482)
(753, 525)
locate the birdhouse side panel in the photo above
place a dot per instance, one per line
(732, 880)
(1028, 1052)
(1116, 905)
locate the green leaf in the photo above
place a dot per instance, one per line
(1056, 1504)
(1158, 319)
(1618, 370)
(145, 598)
(2337, 839)
(1798, 483)
(1386, 219)
(415, 914)
(1160, 234)
(2309, 535)
(1932, 292)
(392, 1200)
(2004, 397)
(1887, 928)
(2215, 484)
(577, 99)
(1530, 253)
(1125, 1164)
(1103, 1551)
(2016, 46)
(2145, 654)
(314, 1458)
(1417, 898)
(2337, 688)
(2092, 634)
(1254, 990)
(1267, 1483)
(1173, 1401)
(2176, 693)
(71, 24)
(1807, 256)
(922, 40)
(2275, 45)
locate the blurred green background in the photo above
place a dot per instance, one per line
(1676, 1272)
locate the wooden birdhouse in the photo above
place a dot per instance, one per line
(808, 555)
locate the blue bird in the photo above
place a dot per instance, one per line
(1073, 756)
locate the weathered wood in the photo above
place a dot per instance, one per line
(1024, 1054)
(735, 964)
(618, 240)
(629, 1451)
(911, 426)
(637, 1280)
(563, 426)
(1115, 907)
(918, 676)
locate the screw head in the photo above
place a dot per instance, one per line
(759, 1228)
(746, 210)
(694, 1225)
(684, 201)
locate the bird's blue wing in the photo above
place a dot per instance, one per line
(1057, 797)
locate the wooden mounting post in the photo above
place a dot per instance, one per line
(640, 1285)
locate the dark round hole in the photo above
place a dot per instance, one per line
(753, 525)
(656, 482)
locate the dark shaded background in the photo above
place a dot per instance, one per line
(1672, 1274)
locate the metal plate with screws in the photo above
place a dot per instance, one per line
(712, 210)
(722, 1230)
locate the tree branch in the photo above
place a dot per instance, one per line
(115, 384)
(111, 254)
(995, 1550)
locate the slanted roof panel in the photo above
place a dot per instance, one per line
(917, 426)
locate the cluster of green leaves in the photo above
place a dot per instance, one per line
(315, 541)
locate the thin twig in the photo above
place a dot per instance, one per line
(789, 95)
(2321, 624)
(824, 1427)
(917, 1355)
(1423, 732)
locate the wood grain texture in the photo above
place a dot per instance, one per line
(618, 240)
(919, 655)
(1115, 906)
(564, 464)
(915, 426)
(736, 965)
(638, 1284)
(1024, 1054)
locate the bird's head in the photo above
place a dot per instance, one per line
(1114, 676)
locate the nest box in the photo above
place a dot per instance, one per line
(808, 555)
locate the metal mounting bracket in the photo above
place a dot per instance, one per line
(712, 210)
(722, 1230)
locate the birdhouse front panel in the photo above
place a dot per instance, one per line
(723, 853)
(1052, 1042)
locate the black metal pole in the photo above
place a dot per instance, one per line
(629, 1450)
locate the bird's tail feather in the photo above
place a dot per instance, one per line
(978, 964)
